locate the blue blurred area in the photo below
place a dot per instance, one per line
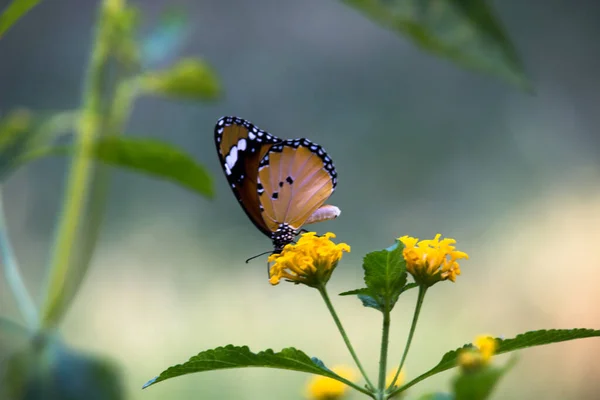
(167, 39)
(421, 146)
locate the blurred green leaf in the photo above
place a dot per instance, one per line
(48, 370)
(189, 79)
(241, 357)
(150, 156)
(478, 385)
(385, 277)
(463, 31)
(522, 341)
(22, 135)
(15, 134)
(156, 158)
(436, 396)
(121, 21)
(13, 12)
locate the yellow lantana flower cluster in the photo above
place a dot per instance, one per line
(323, 388)
(311, 261)
(431, 261)
(481, 355)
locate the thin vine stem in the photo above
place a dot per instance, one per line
(13, 275)
(413, 326)
(340, 327)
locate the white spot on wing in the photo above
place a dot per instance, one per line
(231, 159)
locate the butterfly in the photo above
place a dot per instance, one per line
(280, 184)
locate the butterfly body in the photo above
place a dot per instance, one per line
(280, 184)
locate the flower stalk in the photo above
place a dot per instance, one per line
(413, 326)
(385, 339)
(323, 291)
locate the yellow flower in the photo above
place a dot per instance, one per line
(399, 381)
(323, 388)
(486, 345)
(431, 261)
(478, 356)
(311, 261)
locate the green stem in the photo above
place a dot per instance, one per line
(78, 180)
(413, 326)
(118, 113)
(338, 323)
(385, 339)
(13, 276)
(122, 104)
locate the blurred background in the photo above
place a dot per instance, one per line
(421, 146)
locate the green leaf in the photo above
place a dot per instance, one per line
(22, 135)
(385, 277)
(153, 157)
(156, 158)
(241, 357)
(14, 12)
(15, 134)
(120, 22)
(436, 396)
(522, 341)
(479, 385)
(189, 79)
(367, 297)
(463, 31)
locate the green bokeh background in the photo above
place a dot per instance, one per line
(420, 146)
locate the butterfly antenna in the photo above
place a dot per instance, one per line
(258, 255)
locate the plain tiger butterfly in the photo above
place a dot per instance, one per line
(280, 184)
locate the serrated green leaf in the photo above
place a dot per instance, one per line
(385, 277)
(385, 272)
(189, 79)
(150, 156)
(15, 11)
(463, 31)
(522, 341)
(241, 357)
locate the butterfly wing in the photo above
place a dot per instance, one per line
(295, 178)
(240, 146)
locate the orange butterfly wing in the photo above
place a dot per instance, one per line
(241, 146)
(295, 178)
